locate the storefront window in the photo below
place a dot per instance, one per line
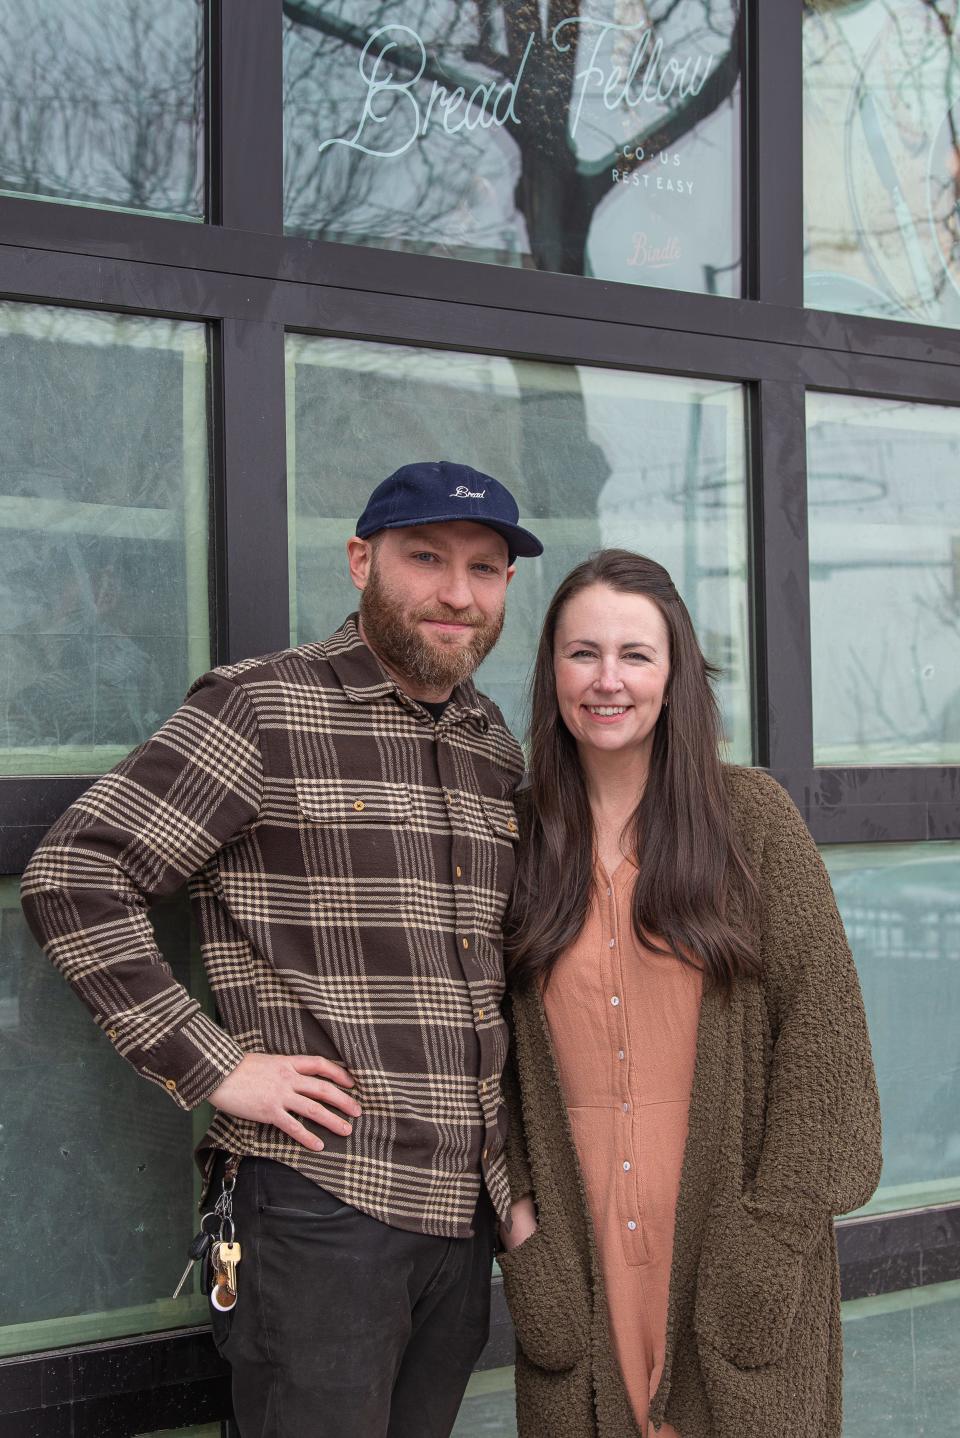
(595, 457)
(103, 103)
(104, 612)
(601, 140)
(884, 522)
(899, 905)
(99, 1184)
(901, 1358)
(882, 159)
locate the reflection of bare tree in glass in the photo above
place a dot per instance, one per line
(557, 192)
(915, 78)
(103, 102)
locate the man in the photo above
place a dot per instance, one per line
(343, 812)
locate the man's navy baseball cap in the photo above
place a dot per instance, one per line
(437, 492)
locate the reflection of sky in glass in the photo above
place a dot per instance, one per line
(595, 457)
(899, 906)
(543, 167)
(882, 161)
(884, 580)
(102, 103)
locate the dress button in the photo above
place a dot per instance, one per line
(626, 1166)
(612, 944)
(631, 1225)
(359, 805)
(615, 1001)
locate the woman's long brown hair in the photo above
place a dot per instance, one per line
(695, 895)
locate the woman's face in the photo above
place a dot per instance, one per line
(611, 659)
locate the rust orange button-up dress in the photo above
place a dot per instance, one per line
(623, 1022)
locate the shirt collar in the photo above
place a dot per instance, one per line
(365, 681)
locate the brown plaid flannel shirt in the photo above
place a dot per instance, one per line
(349, 863)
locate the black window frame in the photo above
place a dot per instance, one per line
(250, 283)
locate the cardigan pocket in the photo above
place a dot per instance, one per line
(748, 1290)
(543, 1308)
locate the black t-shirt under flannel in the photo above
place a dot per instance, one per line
(349, 864)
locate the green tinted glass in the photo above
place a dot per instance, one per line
(884, 522)
(104, 612)
(899, 905)
(594, 456)
(103, 103)
(97, 1163)
(901, 1352)
(599, 138)
(881, 119)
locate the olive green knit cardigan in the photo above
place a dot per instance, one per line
(784, 1132)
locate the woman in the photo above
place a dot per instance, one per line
(696, 1093)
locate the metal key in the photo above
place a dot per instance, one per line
(196, 1251)
(228, 1257)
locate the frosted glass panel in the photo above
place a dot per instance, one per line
(899, 903)
(595, 457)
(104, 611)
(884, 520)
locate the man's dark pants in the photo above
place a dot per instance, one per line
(344, 1327)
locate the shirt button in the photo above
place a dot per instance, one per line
(615, 1001)
(466, 943)
(626, 1108)
(480, 1014)
(631, 1225)
(483, 1085)
(485, 1152)
(620, 1053)
(626, 1166)
(609, 892)
(170, 1084)
(512, 825)
(111, 1033)
(612, 944)
(359, 805)
(459, 872)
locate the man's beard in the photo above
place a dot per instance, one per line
(394, 636)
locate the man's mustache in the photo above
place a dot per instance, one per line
(453, 616)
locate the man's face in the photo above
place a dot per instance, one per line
(432, 600)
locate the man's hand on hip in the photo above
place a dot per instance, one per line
(274, 1088)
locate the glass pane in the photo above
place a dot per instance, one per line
(103, 103)
(605, 142)
(882, 159)
(488, 1407)
(108, 1153)
(884, 513)
(899, 905)
(902, 1357)
(594, 456)
(104, 615)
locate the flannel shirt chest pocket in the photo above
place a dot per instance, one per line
(352, 823)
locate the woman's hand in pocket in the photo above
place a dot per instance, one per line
(523, 1224)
